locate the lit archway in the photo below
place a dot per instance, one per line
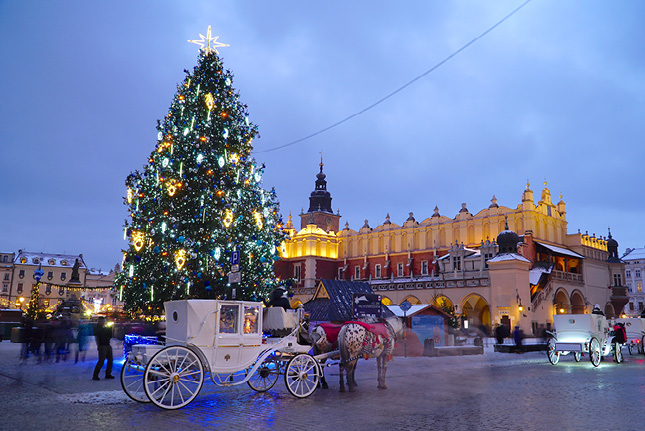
(577, 302)
(412, 300)
(561, 303)
(475, 308)
(609, 310)
(443, 302)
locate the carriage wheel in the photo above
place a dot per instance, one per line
(630, 348)
(132, 380)
(554, 356)
(594, 352)
(302, 375)
(618, 353)
(577, 356)
(643, 345)
(265, 376)
(173, 377)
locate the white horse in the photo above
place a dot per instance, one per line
(363, 339)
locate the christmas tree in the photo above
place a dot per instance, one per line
(199, 199)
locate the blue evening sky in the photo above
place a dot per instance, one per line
(556, 92)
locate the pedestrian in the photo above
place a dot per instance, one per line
(103, 334)
(83, 332)
(517, 336)
(499, 334)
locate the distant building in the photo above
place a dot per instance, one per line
(634, 275)
(6, 274)
(93, 288)
(459, 263)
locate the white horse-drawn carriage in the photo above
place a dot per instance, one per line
(222, 339)
(635, 329)
(582, 334)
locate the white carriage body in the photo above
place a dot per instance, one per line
(574, 331)
(228, 334)
(634, 328)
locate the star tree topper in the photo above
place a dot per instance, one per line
(211, 42)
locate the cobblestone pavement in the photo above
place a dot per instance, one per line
(493, 391)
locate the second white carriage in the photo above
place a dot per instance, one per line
(581, 334)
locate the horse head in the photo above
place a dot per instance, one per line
(396, 324)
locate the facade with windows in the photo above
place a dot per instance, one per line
(634, 279)
(6, 275)
(54, 286)
(454, 262)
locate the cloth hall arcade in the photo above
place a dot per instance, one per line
(516, 266)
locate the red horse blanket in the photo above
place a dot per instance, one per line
(331, 330)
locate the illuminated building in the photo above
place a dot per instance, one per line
(457, 263)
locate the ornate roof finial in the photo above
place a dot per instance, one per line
(528, 184)
(505, 222)
(545, 183)
(321, 161)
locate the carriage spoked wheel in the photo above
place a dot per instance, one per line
(630, 348)
(132, 380)
(554, 356)
(618, 353)
(594, 352)
(302, 375)
(265, 376)
(577, 356)
(643, 345)
(173, 377)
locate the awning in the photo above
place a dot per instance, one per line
(560, 250)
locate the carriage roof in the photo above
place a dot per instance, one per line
(196, 321)
(571, 324)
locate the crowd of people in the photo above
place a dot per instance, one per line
(55, 339)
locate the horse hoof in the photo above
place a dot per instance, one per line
(325, 386)
(382, 387)
(341, 390)
(351, 389)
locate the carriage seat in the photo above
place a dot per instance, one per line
(278, 319)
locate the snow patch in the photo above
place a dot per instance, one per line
(102, 397)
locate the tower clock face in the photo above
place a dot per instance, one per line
(328, 221)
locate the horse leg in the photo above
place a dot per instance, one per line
(381, 362)
(341, 367)
(323, 383)
(351, 382)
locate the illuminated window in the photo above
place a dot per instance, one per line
(639, 287)
(399, 269)
(63, 276)
(51, 261)
(23, 260)
(50, 275)
(377, 271)
(21, 274)
(250, 320)
(19, 288)
(228, 319)
(424, 267)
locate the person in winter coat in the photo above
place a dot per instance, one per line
(103, 334)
